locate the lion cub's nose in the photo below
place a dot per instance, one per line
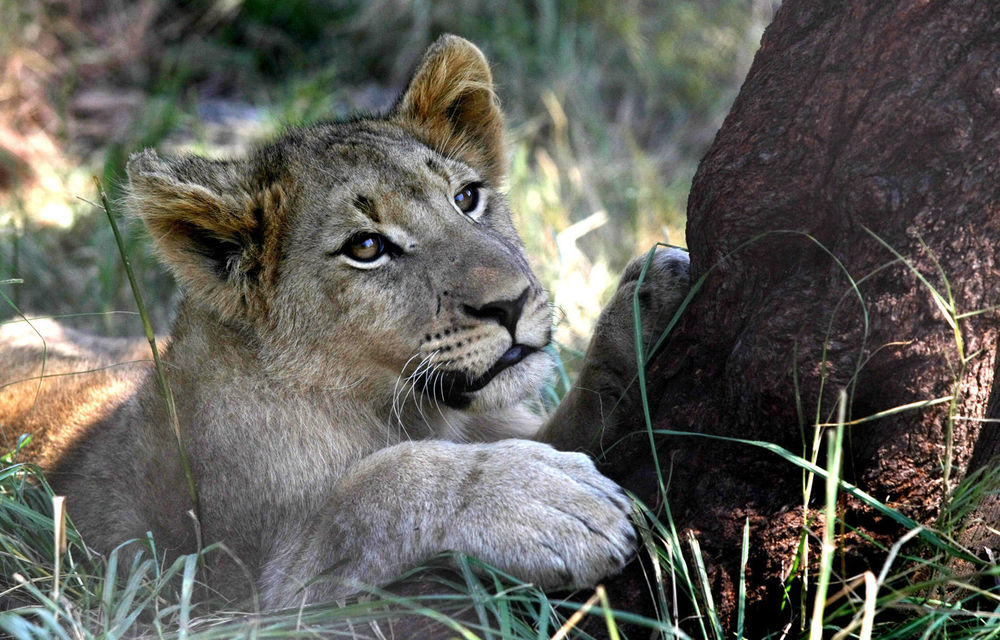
(506, 313)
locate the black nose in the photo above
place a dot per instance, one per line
(506, 313)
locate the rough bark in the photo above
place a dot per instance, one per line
(859, 121)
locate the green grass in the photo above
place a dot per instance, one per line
(97, 598)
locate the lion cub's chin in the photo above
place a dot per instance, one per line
(513, 385)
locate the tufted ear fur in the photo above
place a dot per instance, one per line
(451, 105)
(212, 225)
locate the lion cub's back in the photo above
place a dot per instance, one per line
(55, 382)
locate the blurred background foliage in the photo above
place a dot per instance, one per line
(610, 106)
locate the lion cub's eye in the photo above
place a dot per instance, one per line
(365, 247)
(467, 199)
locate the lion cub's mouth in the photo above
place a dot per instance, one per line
(454, 388)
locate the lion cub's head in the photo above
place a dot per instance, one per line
(376, 254)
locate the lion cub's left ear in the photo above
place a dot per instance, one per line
(213, 225)
(451, 105)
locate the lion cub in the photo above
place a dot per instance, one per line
(359, 340)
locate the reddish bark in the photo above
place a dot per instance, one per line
(880, 115)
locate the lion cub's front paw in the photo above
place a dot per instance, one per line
(661, 291)
(612, 349)
(545, 516)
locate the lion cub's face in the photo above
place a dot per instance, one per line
(410, 258)
(375, 255)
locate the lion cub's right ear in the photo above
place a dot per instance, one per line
(451, 105)
(210, 225)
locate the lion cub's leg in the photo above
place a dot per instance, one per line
(589, 414)
(542, 515)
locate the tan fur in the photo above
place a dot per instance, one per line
(342, 416)
(57, 381)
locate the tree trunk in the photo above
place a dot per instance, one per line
(865, 129)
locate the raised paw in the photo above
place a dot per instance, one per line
(545, 516)
(600, 402)
(662, 289)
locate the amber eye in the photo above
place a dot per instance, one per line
(365, 247)
(467, 199)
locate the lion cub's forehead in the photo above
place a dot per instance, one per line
(369, 177)
(380, 161)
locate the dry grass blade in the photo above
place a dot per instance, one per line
(575, 619)
(59, 539)
(609, 618)
(871, 594)
(168, 396)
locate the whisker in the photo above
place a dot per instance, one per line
(397, 399)
(400, 394)
(430, 374)
(424, 369)
(452, 432)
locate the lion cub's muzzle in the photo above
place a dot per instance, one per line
(463, 356)
(454, 388)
